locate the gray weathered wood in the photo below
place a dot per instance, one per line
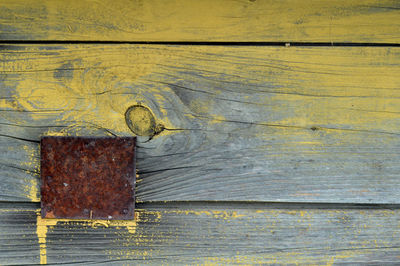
(312, 124)
(206, 233)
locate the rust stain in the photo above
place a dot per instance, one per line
(88, 178)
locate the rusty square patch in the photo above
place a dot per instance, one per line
(88, 178)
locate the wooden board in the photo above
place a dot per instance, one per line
(241, 123)
(334, 21)
(205, 234)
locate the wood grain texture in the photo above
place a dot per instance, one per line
(190, 20)
(209, 234)
(240, 123)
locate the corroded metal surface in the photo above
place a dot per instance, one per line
(88, 178)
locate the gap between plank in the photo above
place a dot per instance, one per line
(230, 205)
(287, 43)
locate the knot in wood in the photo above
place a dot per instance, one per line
(141, 121)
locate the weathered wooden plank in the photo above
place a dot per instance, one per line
(311, 124)
(182, 20)
(205, 233)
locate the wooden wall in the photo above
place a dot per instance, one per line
(268, 131)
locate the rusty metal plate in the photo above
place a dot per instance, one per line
(88, 178)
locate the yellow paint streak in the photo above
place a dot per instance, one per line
(42, 226)
(41, 232)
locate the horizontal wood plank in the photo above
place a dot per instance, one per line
(280, 124)
(363, 21)
(205, 234)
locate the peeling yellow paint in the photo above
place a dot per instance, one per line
(143, 239)
(318, 91)
(220, 214)
(31, 190)
(216, 118)
(204, 108)
(56, 133)
(286, 258)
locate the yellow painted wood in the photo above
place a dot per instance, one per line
(191, 20)
(313, 124)
(205, 234)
